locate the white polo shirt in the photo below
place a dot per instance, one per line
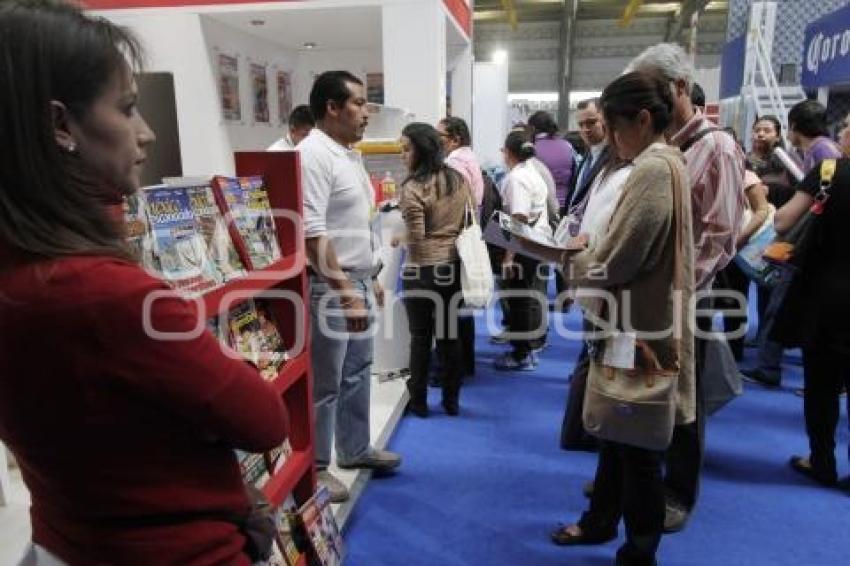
(338, 199)
(283, 144)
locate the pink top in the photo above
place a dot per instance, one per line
(464, 162)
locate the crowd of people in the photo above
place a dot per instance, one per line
(130, 458)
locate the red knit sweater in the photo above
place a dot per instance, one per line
(125, 442)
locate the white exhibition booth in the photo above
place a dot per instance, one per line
(418, 52)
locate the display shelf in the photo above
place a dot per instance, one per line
(284, 481)
(291, 372)
(283, 287)
(251, 285)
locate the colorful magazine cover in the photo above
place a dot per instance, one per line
(285, 518)
(321, 529)
(180, 249)
(254, 335)
(272, 354)
(139, 238)
(277, 457)
(253, 468)
(235, 199)
(260, 234)
(210, 224)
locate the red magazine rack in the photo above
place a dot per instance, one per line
(284, 287)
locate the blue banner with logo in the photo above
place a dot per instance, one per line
(732, 67)
(826, 50)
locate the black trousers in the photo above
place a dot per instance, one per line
(825, 372)
(628, 484)
(731, 278)
(467, 344)
(527, 305)
(687, 448)
(431, 313)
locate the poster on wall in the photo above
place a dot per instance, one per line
(284, 96)
(228, 81)
(260, 92)
(375, 88)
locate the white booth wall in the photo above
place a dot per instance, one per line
(417, 37)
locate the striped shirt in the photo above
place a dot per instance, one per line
(716, 171)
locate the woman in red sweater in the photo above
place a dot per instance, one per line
(124, 441)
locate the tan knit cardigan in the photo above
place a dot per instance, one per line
(634, 261)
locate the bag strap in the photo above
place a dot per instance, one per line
(678, 246)
(689, 143)
(827, 172)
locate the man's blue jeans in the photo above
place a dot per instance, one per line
(342, 368)
(770, 352)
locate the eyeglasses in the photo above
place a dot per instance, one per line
(589, 123)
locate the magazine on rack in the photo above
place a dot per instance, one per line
(210, 224)
(322, 533)
(510, 234)
(180, 250)
(139, 238)
(245, 203)
(254, 334)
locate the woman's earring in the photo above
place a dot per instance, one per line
(72, 148)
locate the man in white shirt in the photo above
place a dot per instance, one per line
(344, 265)
(301, 122)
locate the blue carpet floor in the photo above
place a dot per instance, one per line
(486, 488)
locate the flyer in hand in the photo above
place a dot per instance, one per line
(513, 235)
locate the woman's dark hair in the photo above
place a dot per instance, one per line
(541, 122)
(808, 118)
(50, 51)
(518, 145)
(330, 86)
(633, 92)
(777, 125)
(456, 128)
(428, 159)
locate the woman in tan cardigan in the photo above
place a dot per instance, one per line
(637, 258)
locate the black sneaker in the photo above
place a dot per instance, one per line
(756, 375)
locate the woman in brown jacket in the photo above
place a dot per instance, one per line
(434, 198)
(646, 256)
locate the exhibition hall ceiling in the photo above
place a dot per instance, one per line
(548, 10)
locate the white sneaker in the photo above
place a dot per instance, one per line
(336, 489)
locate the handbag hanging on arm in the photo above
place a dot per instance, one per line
(788, 252)
(637, 406)
(476, 276)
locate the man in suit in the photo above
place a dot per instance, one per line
(592, 131)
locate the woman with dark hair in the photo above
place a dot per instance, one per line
(434, 200)
(125, 441)
(524, 196)
(647, 251)
(767, 136)
(555, 152)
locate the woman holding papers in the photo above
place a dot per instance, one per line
(524, 196)
(643, 265)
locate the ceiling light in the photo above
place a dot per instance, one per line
(258, 22)
(310, 45)
(500, 56)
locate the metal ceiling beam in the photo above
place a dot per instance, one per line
(683, 20)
